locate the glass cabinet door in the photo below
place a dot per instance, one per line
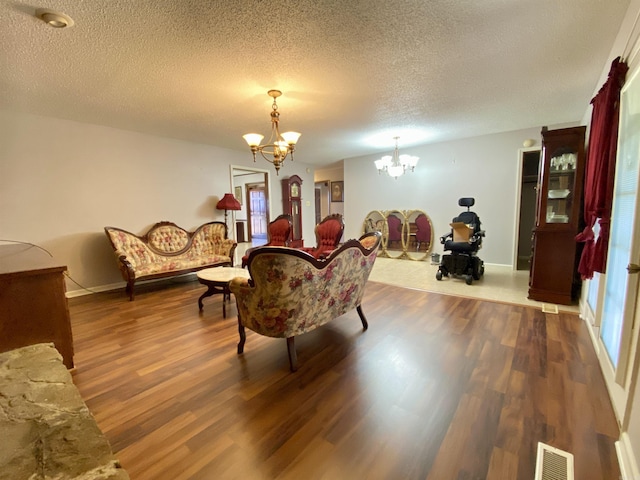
(560, 186)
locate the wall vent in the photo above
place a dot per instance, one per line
(549, 308)
(553, 464)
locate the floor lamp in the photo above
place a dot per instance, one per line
(226, 203)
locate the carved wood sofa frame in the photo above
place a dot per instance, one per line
(167, 250)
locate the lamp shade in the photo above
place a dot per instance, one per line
(228, 202)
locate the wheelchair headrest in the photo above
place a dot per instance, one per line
(467, 202)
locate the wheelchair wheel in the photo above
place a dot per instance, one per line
(438, 275)
(468, 279)
(478, 269)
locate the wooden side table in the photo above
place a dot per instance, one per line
(217, 282)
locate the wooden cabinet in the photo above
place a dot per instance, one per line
(33, 305)
(555, 252)
(292, 205)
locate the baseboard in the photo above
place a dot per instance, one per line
(594, 333)
(121, 285)
(99, 289)
(626, 458)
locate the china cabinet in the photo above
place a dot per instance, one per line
(555, 253)
(292, 205)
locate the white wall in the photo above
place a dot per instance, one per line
(62, 182)
(485, 168)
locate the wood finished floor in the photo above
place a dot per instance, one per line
(438, 388)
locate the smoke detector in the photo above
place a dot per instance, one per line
(54, 19)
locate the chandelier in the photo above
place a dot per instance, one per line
(397, 164)
(279, 145)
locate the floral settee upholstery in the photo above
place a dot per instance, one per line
(167, 250)
(290, 292)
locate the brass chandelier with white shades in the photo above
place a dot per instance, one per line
(396, 165)
(279, 145)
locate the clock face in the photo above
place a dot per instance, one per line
(295, 190)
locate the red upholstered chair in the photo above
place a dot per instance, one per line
(423, 231)
(279, 235)
(395, 230)
(279, 231)
(328, 234)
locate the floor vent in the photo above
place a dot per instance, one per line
(553, 464)
(549, 308)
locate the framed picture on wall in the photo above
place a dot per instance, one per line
(238, 194)
(337, 191)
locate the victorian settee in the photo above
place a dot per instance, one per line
(290, 292)
(167, 250)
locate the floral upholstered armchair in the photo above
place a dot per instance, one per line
(291, 293)
(328, 234)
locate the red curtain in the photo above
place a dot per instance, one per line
(600, 171)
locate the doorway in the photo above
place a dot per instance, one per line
(529, 167)
(322, 200)
(257, 211)
(251, 186)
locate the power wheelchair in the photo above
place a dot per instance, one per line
(464, 241)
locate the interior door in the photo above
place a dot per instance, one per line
(258, 203)
(618, 337)
(318, 204)
(526, 194)
(527, 214)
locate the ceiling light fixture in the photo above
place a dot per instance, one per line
(54, 19)
(279, 145)
(397, 164)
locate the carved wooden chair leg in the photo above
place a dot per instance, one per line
(293, 358)
(363, 319)
(129, 289)
(243, 336)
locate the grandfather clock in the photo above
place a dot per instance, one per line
(292, 205)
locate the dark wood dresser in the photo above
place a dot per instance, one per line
(33, 305)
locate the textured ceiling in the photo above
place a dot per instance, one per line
(353, 73)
